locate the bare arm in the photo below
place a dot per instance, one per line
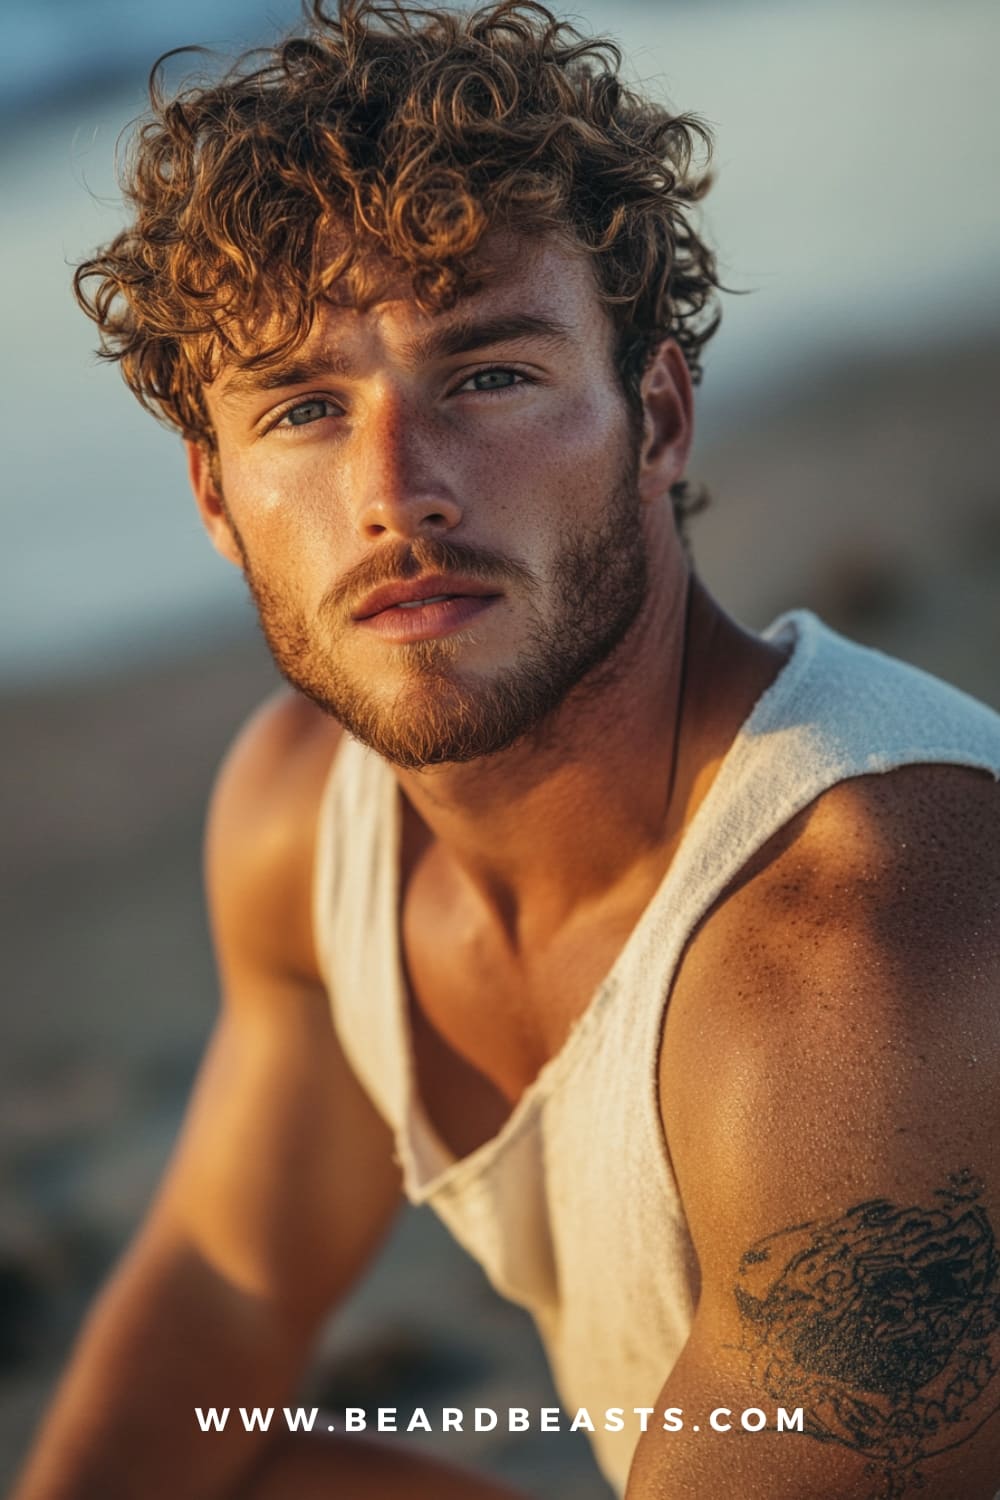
(279, 1190)
(841, 1172)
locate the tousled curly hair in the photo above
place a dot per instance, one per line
(391, 134)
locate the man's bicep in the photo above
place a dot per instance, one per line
(847, 1340)
(853, 1356)
(828, 1090)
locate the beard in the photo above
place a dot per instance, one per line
(440, 715)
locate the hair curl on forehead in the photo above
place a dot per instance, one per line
(389, 134)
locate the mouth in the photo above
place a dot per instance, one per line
(415, 594)
(424, 608)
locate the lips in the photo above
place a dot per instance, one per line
(409, 593)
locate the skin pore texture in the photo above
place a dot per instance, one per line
(565, 581)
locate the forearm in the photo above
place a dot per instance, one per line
(167, 1335)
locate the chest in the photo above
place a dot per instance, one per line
(485, 1020)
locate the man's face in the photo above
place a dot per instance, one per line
(437, 514)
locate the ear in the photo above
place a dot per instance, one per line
(667, 421)
(210, 505)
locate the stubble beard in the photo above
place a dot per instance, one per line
(441, 714)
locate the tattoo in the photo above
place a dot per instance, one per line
(883, 1324)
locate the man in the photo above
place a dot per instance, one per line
(662, 958)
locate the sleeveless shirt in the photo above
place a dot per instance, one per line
(571, 1208)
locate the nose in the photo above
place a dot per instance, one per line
(401, 488)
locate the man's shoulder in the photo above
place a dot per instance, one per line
(868, 916)
(908, 852)
(886, 819)
(272, 776)
(904, 853)
(900, 876)
(836, 1024)
(262, 824)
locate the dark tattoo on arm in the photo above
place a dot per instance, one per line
(883, 1325)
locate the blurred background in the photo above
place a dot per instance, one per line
(847, 432)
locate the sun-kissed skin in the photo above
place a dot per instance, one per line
(498, 843)
(817, 1046)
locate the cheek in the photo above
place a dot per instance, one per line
(284, 512)
(586, 430)
(562, 470)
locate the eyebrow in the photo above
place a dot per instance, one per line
(248, 382)
(438, 343)
(468, 334)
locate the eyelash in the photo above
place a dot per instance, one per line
(279, 425)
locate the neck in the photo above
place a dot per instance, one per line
(606, 788)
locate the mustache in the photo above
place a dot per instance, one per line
(395, 564)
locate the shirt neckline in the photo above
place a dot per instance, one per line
(429, 1166)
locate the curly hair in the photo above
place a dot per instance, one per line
(393, 134)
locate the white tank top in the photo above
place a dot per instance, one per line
(571, 1208)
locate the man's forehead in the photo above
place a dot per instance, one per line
(524, 288)
(505, 260)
